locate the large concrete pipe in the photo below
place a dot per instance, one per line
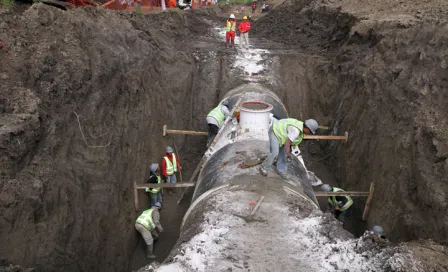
(288, 232)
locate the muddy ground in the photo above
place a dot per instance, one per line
(84, 94)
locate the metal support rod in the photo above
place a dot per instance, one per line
(257, 206)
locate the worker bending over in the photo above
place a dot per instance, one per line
(230, 31)
(170, 166)
(146, 224)
(215, 118)
(155, 194)
(282, 135)
(244, 28)
(339, 205)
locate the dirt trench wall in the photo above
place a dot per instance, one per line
(66, 199)
(386, 84)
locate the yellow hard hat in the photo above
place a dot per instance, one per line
(245, 18)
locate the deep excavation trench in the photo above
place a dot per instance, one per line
(85, 94)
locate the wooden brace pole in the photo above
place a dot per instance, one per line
(368, 202)
(183, 132)
(158, 185)
(327, 137)
(164, 185)
(136, 203)
(348, 193)
(306, 137)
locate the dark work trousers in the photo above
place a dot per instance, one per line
(212, 131)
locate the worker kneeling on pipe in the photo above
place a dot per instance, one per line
(155, 194)
(215, 118)
(146, 224)
(339, 205)
(283, 134)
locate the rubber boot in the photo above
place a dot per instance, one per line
(263, 172)
(150, 252)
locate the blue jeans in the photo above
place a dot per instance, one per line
(275, 151)
(155, 198)
(171, 179)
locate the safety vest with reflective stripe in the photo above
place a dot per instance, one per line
(231, 26)
(280, 128)
(146, 220)
(171, 167)
(218, 114)
(333, 202)
(154, 190)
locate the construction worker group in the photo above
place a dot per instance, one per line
(243, 28)
(148, 222)
(283, 135)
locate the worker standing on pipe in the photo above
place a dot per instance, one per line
(339, 205)
(282, 135)
(244, 28)
(230, 31)
(170, 166)
(215, 118)
(154, 178)
(146, 224)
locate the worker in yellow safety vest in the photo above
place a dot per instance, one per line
(215, 118)
(339, 205)
(170, 166)
(155, 194)
(146, 224)
(283, 134)
(230, 31)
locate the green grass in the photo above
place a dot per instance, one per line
(7, 3)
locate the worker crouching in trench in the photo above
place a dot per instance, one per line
(146, 224)
(340, 206)
(155, 194)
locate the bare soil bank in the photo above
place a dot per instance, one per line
(84, 96)
(382, 76)
(65, 190)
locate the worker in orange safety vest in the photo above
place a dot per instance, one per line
(170, 166)
(230, 31)
(244, 28)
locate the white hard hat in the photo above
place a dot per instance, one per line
(232, 16)
(378, 230)
(169, 149)
(154, 167)
(312, 125)
(326, 188)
